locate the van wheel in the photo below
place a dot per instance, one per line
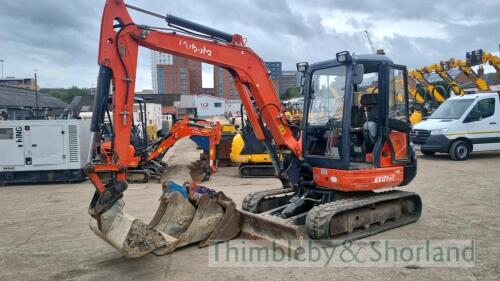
(459, 150)
(427, 153)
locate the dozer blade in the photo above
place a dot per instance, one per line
(132, 237)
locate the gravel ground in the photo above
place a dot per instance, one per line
(44, 231)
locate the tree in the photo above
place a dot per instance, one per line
(67, 95)
(292, 92)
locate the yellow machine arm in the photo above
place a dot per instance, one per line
(414, 93)
(440, 70)
(468, 71)
(492, 60)
(420, 77)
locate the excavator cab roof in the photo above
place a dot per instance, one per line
(362, 58)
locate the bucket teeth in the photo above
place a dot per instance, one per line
(132, 237)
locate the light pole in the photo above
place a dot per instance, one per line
(36, 94)
(2, 67)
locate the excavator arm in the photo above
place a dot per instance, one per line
(188, 128)
(118, 50)
(120, 39)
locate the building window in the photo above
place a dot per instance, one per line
(183, 79)
(161, 80)
(220, 82)
(217, 104)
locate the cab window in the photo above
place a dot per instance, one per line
(397, 105)
(483, 109)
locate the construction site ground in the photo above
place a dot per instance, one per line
(44, 233)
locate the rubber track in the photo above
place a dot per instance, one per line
(256, 167)
(252, 200)
(318, 218)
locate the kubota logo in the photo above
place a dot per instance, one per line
(384, 179)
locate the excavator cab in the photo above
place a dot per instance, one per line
(356, 117)
(355, 140)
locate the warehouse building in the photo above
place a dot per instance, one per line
(210, 106)
(20, 104)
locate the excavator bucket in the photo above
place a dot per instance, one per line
(229, 226)
(181, 219)
(199, 171)
(207, 217)
(210, 219)
(174, 215)
(132, 237)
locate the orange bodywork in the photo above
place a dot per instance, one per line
(185, 128)
(118, 51)
(388, 175)
(358, 180)
(181, 129)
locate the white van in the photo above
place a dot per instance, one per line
(460, 126)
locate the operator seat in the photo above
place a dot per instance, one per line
(369, 104)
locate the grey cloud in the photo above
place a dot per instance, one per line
(60, 38)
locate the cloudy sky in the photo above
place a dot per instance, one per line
(60, 38)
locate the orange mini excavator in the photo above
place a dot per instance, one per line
(148, 163)
(351, 145)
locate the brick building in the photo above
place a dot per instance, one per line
(274, 68)
(289, 79)
(24, 83)
(224, 86)
(183, 76)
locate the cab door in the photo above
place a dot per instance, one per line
(398, 116)
(483, 126)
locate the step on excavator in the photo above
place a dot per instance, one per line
(351, 145)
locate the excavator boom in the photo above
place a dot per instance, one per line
(120, 39)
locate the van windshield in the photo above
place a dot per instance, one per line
(452, 109)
